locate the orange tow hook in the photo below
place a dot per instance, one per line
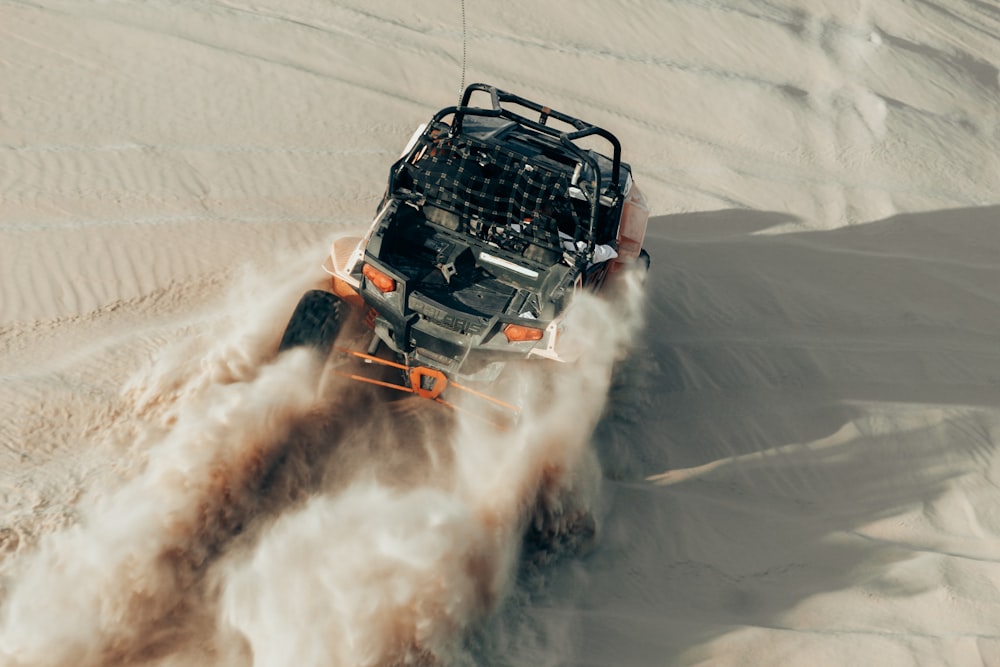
(427, 382)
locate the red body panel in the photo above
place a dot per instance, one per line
(632, 231)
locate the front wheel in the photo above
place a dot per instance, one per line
(315, 322)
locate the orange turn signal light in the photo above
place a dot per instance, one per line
(516, 333)
(383, 282)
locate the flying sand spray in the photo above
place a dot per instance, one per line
(273, 523)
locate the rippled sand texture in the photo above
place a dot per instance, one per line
(796, 465)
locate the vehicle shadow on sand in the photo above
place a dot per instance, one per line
(791, 390)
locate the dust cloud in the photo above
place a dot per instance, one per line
(274, 516)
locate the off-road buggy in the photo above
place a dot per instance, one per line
(491, 221)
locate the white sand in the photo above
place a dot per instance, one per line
(800, 462)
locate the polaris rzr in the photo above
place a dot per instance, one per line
(494, 216)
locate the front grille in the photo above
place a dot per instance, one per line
(437, 350)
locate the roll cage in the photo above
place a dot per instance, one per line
(528, 172)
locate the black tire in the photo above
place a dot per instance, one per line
(644, 260)
(315, 322)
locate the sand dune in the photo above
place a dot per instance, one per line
(797, 461)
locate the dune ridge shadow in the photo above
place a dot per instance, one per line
(795, 386)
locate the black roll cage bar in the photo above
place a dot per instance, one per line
(567, 139)
(583, 129)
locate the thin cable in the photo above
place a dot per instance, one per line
(461, 89)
